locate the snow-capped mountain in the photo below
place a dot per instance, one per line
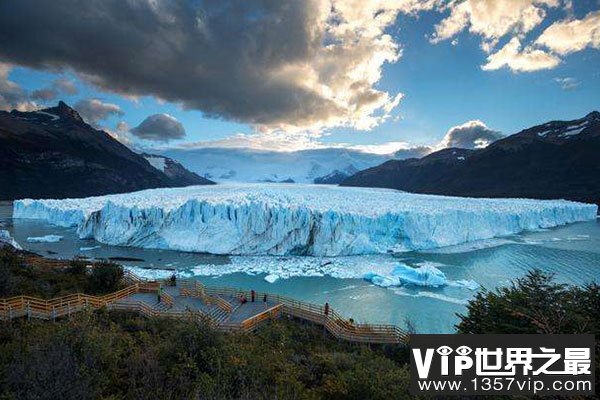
(558, 159)
(306, 166)
(53, 153)
(175, 170)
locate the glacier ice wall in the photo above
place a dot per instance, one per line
(272, 219)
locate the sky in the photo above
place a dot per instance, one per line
(372, 75)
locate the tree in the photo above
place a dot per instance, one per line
(533, 304)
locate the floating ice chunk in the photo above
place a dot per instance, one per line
(380, 280)
(467, 283)
(271, 278)
(426, 275)
(89, 248)
(44, 239)
(403, 275)
(5, 238)
(313, 220)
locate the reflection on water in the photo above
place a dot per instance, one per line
(571, 252)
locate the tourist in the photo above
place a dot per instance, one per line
(159, 293)
(173, 280)
(326, 309)
(252, 295)
(265, 298)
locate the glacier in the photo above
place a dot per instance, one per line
(280, 219)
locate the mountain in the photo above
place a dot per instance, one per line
(53, 153)
(175, 170)
(559, 159)
(336, 177)
(249, 165)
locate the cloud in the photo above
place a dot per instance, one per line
(292, 65)
(525, 60)
(60, 85)
(64, 85)
(568, 83)
(470, 135)
(515, 20)
(12, 96)
(571, 35)
(159, 128)
(121, 134)
(491, 19)
(94, 110)
(284, 142)
(46, 94)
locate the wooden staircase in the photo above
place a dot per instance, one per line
(218, 315)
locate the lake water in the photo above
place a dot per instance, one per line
(571, 252)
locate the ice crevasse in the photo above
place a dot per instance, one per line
(280, 219)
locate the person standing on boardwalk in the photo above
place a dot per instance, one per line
(326, 309)
(159, 293)
(253, 295)
(265, 298)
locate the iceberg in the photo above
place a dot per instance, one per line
(403, 275)
(426, 275)
(45, 239)
(89, 248)
(271, 278)
(306, 220)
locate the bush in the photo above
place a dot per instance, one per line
(535, 303)
(77, 267)
(105, 278)
(123, 356)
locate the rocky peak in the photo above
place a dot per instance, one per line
(63, 110)
(593, 116)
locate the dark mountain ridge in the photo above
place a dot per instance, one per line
(53, 153)
(175, 170)
(558, 159)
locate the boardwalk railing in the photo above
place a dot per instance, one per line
(33, 307)
(338, 326)
(193, 288)
(253, 322)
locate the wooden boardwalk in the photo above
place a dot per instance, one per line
(219, 307)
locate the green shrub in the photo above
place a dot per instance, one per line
(105, 277)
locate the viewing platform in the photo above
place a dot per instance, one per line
(222, 308)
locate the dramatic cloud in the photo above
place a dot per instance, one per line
(276, 64)
(159, 128)
(12, 96)
(565, 37)
(495, 20)
(94, 110)
(470, 135)
(518, 60)
(568, 83)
